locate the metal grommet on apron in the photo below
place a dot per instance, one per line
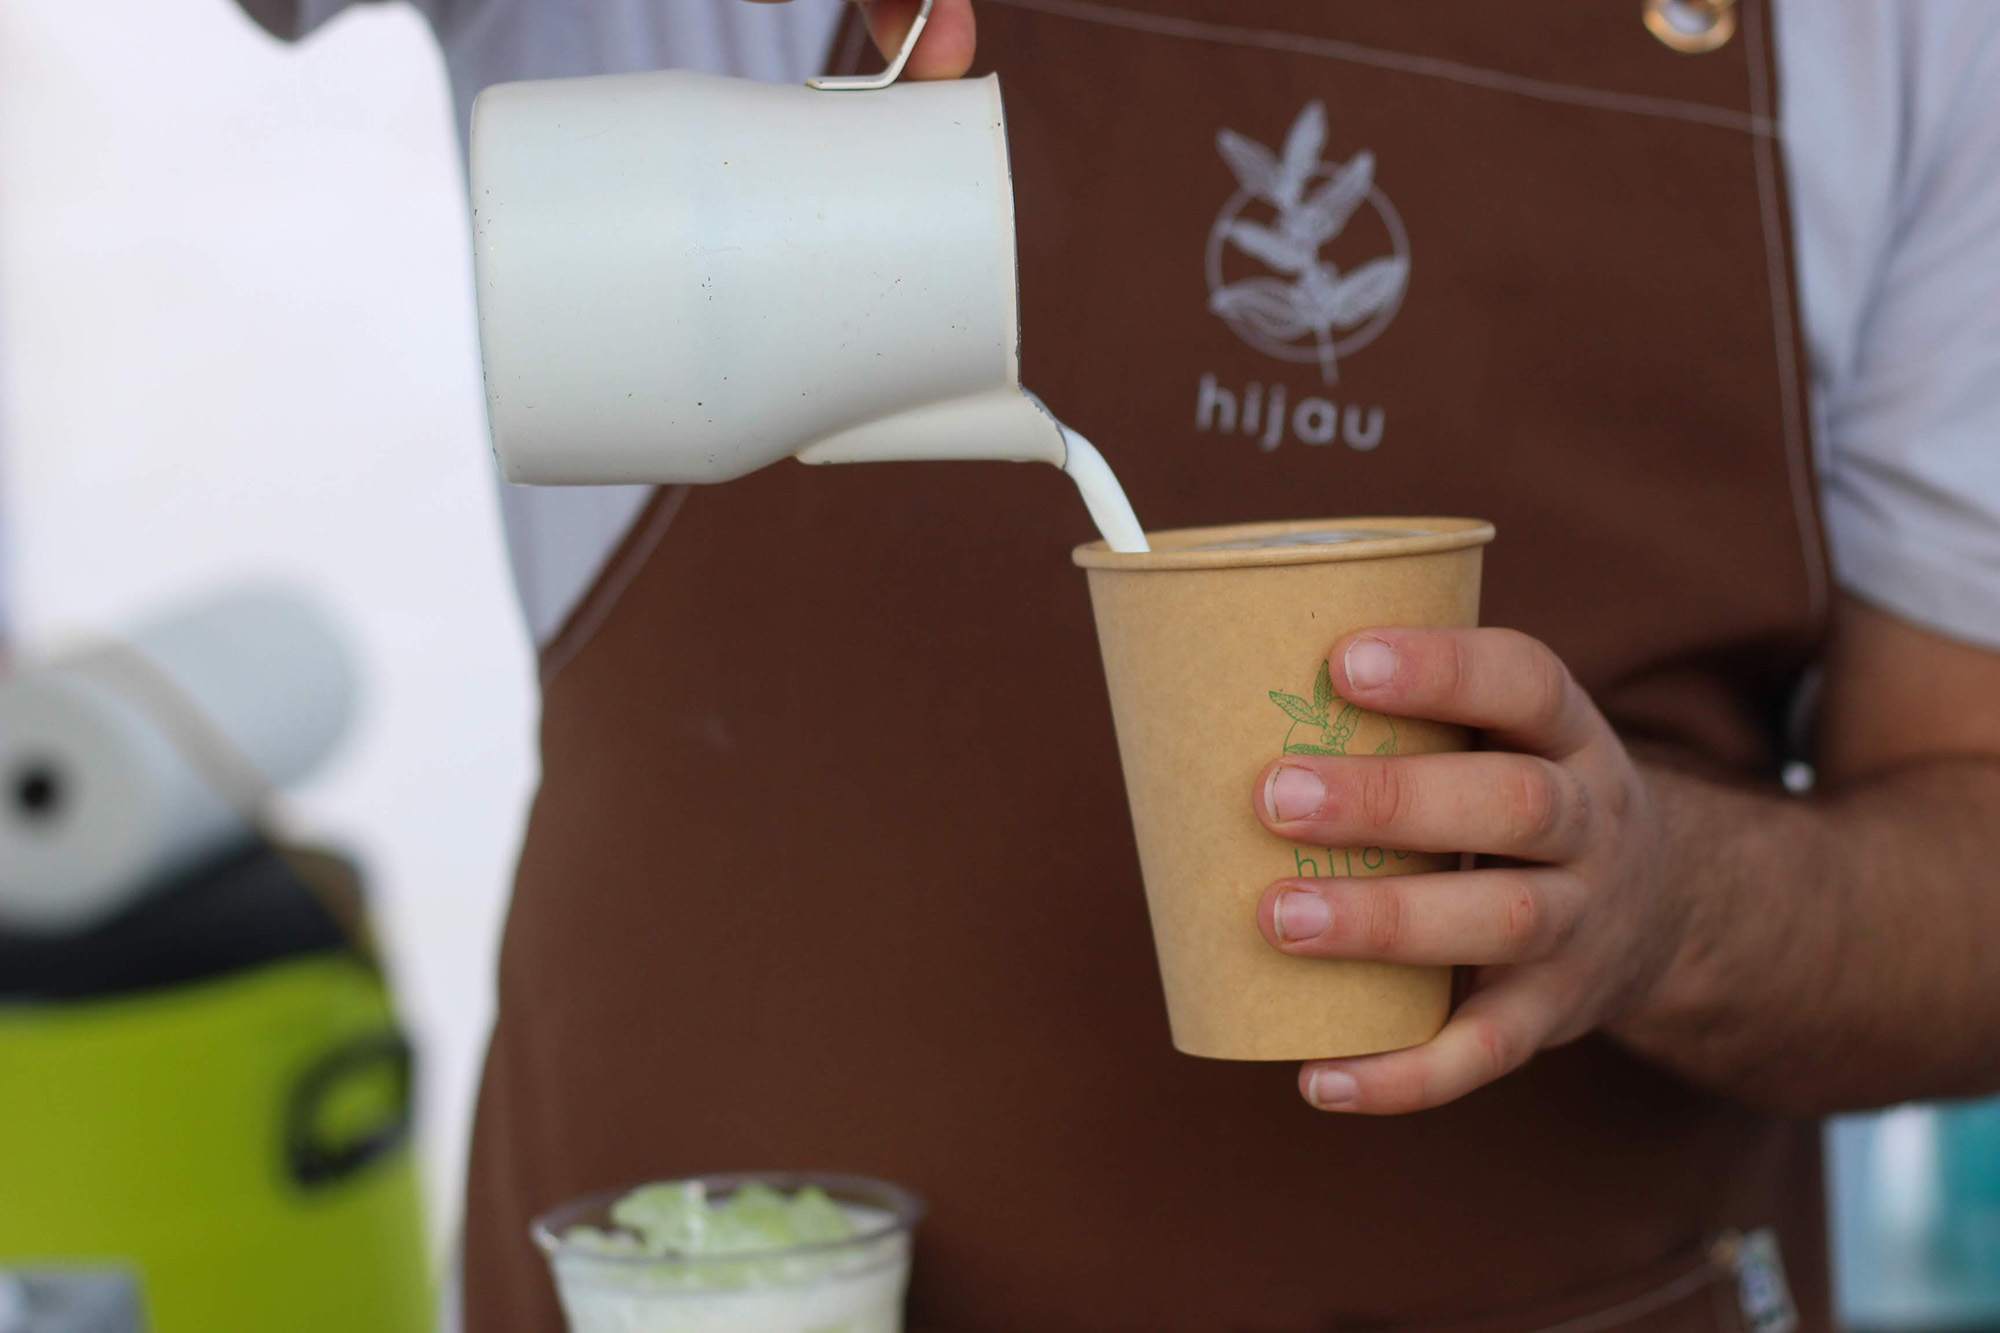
(831, 863)
(1691, 26)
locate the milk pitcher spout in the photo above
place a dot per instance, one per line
(1008, 423)
(684, 278)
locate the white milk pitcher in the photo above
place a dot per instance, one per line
(683, 278)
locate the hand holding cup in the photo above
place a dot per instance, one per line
(1569, 918)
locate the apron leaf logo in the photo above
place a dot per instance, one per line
(1334, 730)
(1264, 304)
(1289, 206)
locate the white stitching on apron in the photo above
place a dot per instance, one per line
(610, 586)
(1713, 1269)
(1328, 48)
(1797, 460)
(1628, 1311)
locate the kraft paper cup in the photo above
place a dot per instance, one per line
(1214, 647)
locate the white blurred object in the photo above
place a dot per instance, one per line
(121, 765)
(237, 322)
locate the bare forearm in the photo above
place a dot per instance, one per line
(1838, 952)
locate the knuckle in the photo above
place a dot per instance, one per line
(1564, 895)
(1384, 796)
(1534, 803)
(1582, 805)
(1539, 675)
(1493, 1051)
(1456, 670)
(1525, 916)
(1387, 926)
(1551, 686)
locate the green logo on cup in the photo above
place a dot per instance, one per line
(1317, 729)
(1334, 730)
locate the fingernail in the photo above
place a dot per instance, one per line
(1332, 1088)
(1293, 793)
(1371, 663)
(1301, 915)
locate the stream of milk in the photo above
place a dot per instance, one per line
(1102, 494)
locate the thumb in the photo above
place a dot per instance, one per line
(945, 49)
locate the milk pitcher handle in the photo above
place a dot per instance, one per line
(841, 83)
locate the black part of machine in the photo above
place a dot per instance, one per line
(250, 908)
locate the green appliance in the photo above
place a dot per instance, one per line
(208, 1098)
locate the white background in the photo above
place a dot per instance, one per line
(235, 299)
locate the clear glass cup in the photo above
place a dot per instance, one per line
(846, 1286)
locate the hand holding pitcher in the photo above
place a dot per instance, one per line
(945, 49)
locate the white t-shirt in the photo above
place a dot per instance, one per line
(1891, 118)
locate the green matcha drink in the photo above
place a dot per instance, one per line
(769, 1252)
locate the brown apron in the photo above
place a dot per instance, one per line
(831, 867)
